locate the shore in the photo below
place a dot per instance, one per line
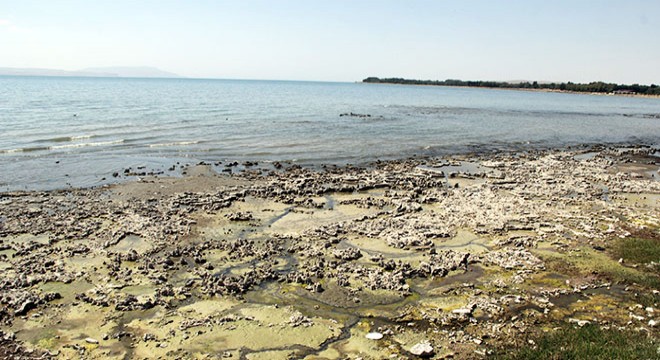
(462, 257)
(588, 93)
(635, 95)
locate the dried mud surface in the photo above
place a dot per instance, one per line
(437, 258)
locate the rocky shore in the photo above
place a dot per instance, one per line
(455, 257)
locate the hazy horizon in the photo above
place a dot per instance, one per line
(341, 41)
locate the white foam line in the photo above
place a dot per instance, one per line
(81, 137)
(11, 151)
(100, 143)
(180, 143)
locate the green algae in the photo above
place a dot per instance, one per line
(465, 241)
(268, 328)
(209, 307)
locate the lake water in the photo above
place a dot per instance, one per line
(60, 132)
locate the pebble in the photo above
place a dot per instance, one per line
(374, 336)
(580, 323)
(463, 311)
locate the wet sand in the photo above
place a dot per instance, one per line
(456, 257)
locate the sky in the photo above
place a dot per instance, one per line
(341, 40)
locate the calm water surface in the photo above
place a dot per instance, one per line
(59, 132)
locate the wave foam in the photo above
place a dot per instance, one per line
(60, 139)
(81, 137)
(20, 150)
(178, 143)
(79, 145)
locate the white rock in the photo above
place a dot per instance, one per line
(463, 311)
(637, 317)
(374, 336)
(653, 323)
(580, 323)
(422, 349)
(91, 341)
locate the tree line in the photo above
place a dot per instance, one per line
(592, 87)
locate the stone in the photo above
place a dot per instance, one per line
(91, 341)
(347, 254)
(374, 336)
(25, 307)
(580, 323)
(422, 349)
(463, 311)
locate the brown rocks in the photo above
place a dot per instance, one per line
(443, 262)
(513, 259)
(347, 254)
(239, 216)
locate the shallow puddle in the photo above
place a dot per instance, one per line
(67, 291)
(465, 241)
(645, 200)
(131, 242)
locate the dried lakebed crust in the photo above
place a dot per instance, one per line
(434, 258)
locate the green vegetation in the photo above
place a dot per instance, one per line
(592, 87)
(588, 342)
(641, 252)
(591, 262)
(638, 250)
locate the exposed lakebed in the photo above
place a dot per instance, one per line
(454, 257)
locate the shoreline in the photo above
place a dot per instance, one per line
(411, 257)
(522, 89)
(176, 169)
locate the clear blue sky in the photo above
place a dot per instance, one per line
(335, 40)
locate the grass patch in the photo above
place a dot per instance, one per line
(640, 250)
(627, 275)
(637, 250)
(647, 298)
(588, 342)
(590, 262)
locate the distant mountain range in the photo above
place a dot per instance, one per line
(115, 71)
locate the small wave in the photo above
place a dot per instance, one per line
(21, 150)
(61, 139)
(178, 143)
(82, 137)
(11, 151)
(79, 145)
(643, 116)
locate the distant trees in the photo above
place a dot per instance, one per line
(592, 87)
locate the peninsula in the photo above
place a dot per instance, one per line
(592, 87)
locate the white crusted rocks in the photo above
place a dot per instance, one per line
(422, 349)
(513, 259)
